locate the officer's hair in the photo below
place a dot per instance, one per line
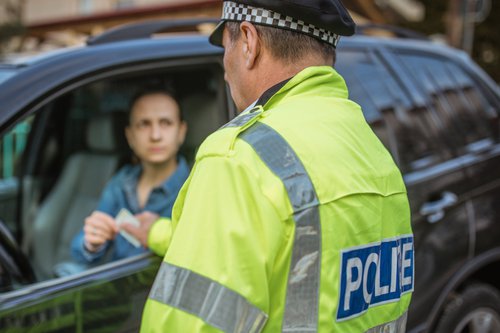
(285, 44)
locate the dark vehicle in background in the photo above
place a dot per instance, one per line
(61, 137)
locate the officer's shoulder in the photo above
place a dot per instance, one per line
(219, 143)
(222, 141)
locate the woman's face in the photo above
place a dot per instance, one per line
(155, 130)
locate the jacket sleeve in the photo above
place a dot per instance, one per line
(227, 230)
(159, 236)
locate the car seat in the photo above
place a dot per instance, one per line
(75, 194)
(203, 116)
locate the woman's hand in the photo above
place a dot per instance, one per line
(99, 228)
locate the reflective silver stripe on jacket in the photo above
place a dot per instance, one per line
(301, 310)
(215, 304)
(396, 326)
(242, 119)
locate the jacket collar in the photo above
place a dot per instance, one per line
(266, 96)
(322, 80)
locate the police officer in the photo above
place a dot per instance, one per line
(295, 217)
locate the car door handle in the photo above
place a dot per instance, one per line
(434, 210)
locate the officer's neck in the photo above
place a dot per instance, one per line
(270, 71)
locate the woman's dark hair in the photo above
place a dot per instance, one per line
(152, 91)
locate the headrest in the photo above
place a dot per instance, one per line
(202, 115)
(101, 135)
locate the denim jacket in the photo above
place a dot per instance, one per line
(121, 192)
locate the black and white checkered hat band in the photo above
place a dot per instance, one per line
(233, 11)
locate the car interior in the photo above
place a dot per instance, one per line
(76, 142)
(75, 193)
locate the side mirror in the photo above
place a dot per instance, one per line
(14, 265)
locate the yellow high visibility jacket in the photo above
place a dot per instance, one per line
(159, 236)
(294, 219)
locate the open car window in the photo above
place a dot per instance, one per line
(61, 166)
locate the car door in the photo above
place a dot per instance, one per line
(406, 121)
(475, 102)
(466, 130)
(108, 297)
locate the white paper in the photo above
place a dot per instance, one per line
(124, 216)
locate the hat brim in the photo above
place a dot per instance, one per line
(216, 35)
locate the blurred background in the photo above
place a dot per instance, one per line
(32, 26)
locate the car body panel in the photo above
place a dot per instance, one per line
(108, 299)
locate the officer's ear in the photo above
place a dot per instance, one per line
(251, 44)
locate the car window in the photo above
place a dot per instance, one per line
(12, 147)
(388, 108)
(57, 138)
(355, 66)
(455, 99)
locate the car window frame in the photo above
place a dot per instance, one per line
(126, 69)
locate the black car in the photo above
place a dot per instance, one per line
(61, 138)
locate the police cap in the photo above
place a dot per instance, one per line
(325, 20)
